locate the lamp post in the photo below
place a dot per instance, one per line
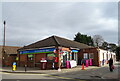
(3, 48)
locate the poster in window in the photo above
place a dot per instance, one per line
(50, 57)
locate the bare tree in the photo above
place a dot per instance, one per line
(98, 40)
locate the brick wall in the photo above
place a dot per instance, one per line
(23, 60)
(90, 50)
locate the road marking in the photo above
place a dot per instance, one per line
(4, 73)
(65, 78)
(44, 75)
(20, 73)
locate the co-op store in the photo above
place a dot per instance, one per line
(54, 51)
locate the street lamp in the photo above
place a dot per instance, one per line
(3, 48)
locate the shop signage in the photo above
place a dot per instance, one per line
(74, 50)
(30, 56)
(48, 50)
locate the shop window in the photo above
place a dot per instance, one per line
(85, 55)
(91, 56)
(50, 57)
(30, 57)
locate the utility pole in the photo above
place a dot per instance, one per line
(3, 48)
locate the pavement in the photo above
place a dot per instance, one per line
(38, 71)
(91, 72)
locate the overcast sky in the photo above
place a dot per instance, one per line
(28, 22)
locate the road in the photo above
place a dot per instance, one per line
(82, 75)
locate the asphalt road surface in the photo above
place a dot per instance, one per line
(99, 74)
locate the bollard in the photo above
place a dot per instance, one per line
(25, 67)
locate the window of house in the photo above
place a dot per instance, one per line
(85, 55)
(91, 56)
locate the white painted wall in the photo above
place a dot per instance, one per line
(105, 52)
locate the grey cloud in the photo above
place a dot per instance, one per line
(35, 21)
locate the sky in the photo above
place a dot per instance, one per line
(28, 22)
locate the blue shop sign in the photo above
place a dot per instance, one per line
(48, 50)
(74, 50)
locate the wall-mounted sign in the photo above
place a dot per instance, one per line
(74, 50)
(35, 51)
(17, 59)
(30, 56)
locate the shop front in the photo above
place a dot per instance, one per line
(49, 56)
(69, 57)
(34, 57)
(52, 52)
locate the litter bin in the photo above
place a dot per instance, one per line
(43, 64)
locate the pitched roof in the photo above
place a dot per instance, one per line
(10, 49)
(55, 41)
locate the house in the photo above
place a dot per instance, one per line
(54, 50)
(10, 55)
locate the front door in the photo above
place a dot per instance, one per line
(64, 60)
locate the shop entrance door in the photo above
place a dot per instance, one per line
(64, 60)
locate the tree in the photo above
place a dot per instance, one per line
(112, 47)
(78, 37)
(98, 40)
(83, 39)
(109, 46)
(105, 45)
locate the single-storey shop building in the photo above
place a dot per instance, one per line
(55, 51)
(58, 52)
